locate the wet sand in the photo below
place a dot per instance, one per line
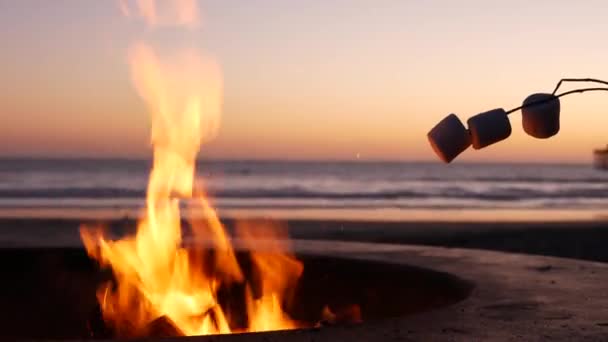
(585, 240)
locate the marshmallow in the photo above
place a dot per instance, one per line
(449, 138)
(541, 120)
(489, 127)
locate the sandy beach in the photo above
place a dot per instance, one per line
(570, 239)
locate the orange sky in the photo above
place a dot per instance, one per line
(308, 80)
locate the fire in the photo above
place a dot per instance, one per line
(279, 273)
(156, 278)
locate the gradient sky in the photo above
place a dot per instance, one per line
(314, 79)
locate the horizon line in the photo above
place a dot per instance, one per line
(289, 160)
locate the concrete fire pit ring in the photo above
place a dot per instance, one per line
(515, 297)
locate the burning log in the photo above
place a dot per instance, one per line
(100, 329)
(163, 327)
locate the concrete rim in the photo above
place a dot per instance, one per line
(517, 297)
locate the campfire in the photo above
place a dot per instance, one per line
(158, 282)
(332, 293)
(179, 270)
(198, 290)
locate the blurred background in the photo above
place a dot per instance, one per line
(326, 108)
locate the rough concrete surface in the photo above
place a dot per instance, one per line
(516, 298)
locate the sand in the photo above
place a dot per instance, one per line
(580, 240)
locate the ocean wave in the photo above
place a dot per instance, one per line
(89, 193)
(294, 192)
(279, 205)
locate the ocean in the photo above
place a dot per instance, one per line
(340, 190)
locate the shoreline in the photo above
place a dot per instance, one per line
(585, 240)
(424, 215)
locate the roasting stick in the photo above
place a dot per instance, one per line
(540, 119)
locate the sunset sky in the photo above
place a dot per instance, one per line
(314, 79)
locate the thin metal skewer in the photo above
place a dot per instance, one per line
(590, 80)
(581, 90)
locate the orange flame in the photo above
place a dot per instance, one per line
(156, 277)
(279, 272)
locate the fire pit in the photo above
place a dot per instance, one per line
(51, 293)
